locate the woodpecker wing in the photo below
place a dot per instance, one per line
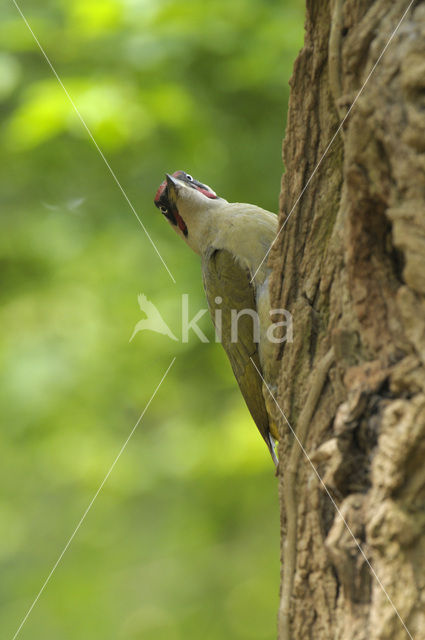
(224, 277)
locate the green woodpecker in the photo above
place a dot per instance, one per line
(232, 240)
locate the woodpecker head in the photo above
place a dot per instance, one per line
(182, 200)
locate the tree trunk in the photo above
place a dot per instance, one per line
(350, 267)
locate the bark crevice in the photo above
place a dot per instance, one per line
(350, 267)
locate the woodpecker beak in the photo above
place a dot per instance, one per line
(172, 187)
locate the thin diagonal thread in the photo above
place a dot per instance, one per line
(111, 171)
(337, 509)
(91, 502)
(324, 154)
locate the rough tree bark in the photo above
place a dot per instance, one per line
(350, 266)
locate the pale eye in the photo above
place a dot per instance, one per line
(189, 177)
(163, 209)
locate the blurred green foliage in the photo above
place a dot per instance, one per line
(183, 541)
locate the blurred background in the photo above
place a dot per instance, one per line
(183, 540)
